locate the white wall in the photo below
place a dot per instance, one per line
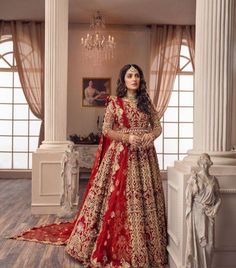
(132, 47)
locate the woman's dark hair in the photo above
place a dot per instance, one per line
(144, 103)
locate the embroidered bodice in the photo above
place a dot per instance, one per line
(139, 122)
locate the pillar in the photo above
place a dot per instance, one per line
(214, 81)
(46, 166)
(56, 62)
(213, 106)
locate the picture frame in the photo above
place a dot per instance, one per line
(95, 91)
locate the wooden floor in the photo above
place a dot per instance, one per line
(15, 215)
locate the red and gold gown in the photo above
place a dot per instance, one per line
(121, 222)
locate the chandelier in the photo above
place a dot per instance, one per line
(98, 44)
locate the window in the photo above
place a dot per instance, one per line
(177, 123)
(19, 128)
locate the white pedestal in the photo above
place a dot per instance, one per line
(225, 231)
(46, 179)
(46, 182)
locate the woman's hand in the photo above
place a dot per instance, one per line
(147, 139)
(134, 140)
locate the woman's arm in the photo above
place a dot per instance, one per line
(156, 129)
(156, 126)
(108, 130)
(108, 123)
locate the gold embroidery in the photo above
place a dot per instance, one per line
(145, 200)
(146, 211)
(155, 124)
(108, 118)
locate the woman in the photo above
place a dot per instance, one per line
(121, 222)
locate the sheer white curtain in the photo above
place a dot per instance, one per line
(28, 43)
(190, 36)
(164, 58)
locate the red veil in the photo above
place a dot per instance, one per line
(59, 233)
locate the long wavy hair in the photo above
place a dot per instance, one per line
(144, 103)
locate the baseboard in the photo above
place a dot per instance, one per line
(45, 209)
(15, 174)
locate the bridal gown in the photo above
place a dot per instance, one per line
(121, 222)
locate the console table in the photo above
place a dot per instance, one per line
(87, 153)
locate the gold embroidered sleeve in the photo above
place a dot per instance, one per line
(155, 124)
(108, 125)
(108, 119)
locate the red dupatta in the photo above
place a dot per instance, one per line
(112, 244)
(59, 233)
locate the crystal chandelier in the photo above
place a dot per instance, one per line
(97, 44)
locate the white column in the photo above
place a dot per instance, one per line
(212, 133)
(46, 166)
(56, 58)
(213, 80)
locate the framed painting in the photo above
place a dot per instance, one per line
(95, 91)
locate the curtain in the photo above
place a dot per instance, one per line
(190, 36)
(1, 28)
(28, 46)
(5, 28)
(164, 58)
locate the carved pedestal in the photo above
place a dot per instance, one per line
(225, 231)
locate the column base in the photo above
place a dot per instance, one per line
(218, 158)
(42, 209)
(46, 177)
(60, 146)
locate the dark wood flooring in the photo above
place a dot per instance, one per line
(15, 216)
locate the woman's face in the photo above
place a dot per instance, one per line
(132, 79)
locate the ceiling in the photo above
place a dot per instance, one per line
(132, 12)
